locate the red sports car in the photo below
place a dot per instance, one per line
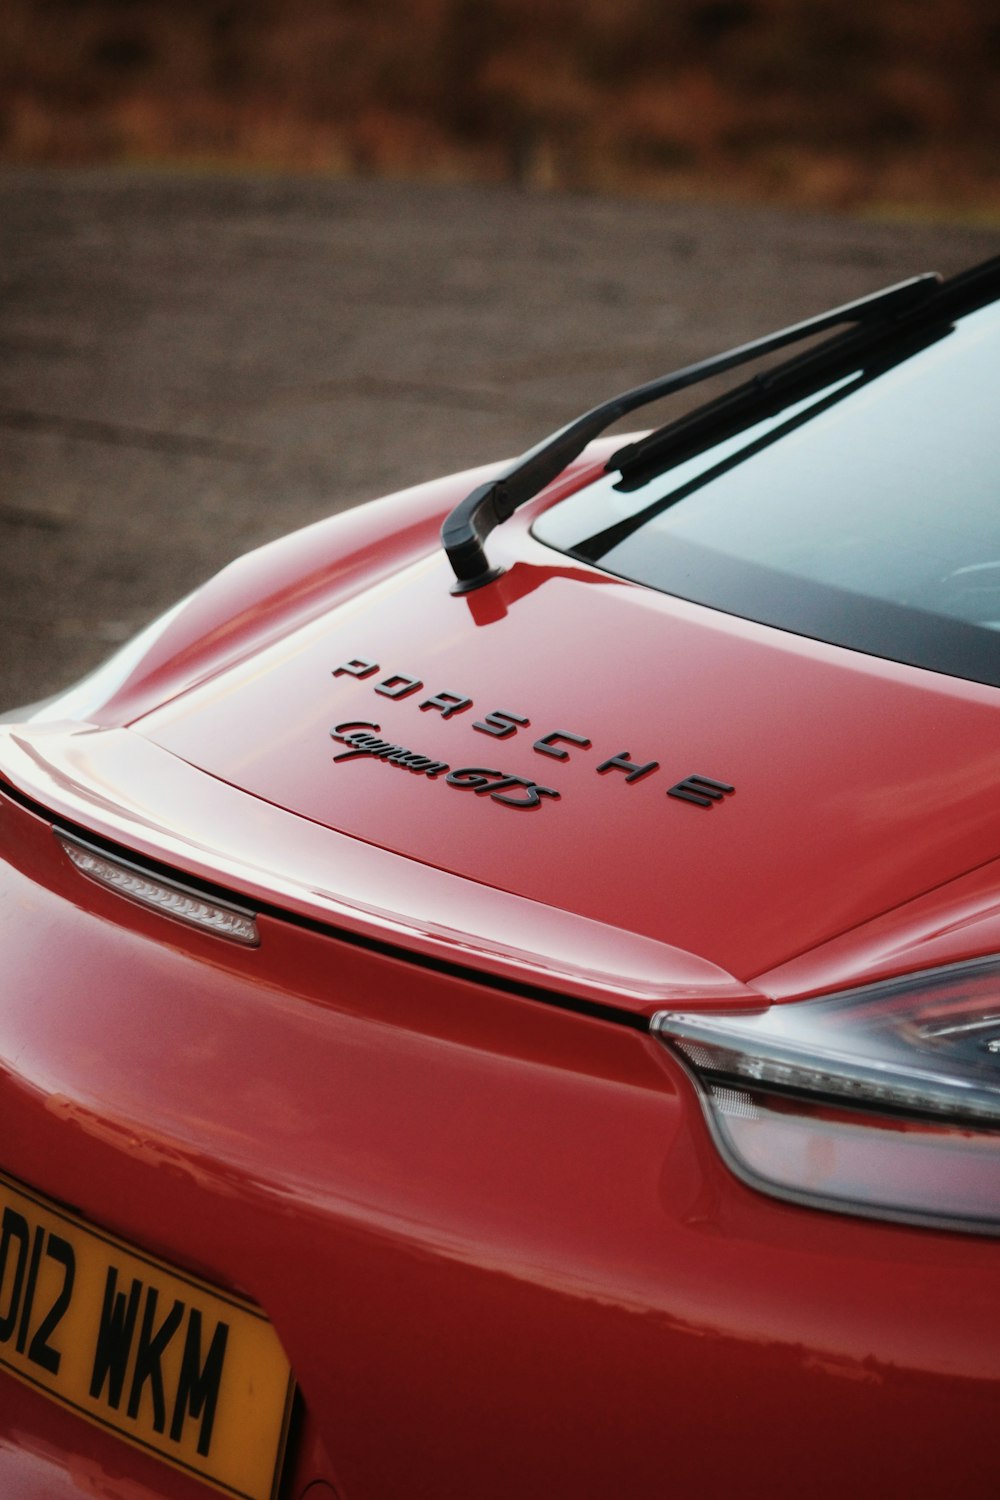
(501, 990)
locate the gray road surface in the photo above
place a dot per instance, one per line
(194, 364)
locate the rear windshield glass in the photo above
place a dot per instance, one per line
(867, 514)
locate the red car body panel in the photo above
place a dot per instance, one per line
(423, 1125)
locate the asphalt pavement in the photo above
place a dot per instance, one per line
(193, 364)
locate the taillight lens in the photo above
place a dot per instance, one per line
(883, 1100)
(169, 897)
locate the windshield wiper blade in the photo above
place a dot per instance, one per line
(470, 523)
(814, 394)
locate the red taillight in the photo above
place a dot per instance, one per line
(883, 1100)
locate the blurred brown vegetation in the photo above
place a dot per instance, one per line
(817, 101)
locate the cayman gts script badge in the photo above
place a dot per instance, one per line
(509, 791)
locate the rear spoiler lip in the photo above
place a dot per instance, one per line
(188, 824)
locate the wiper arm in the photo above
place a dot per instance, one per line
(470, 523)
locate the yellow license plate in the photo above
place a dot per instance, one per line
(172, 1365)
